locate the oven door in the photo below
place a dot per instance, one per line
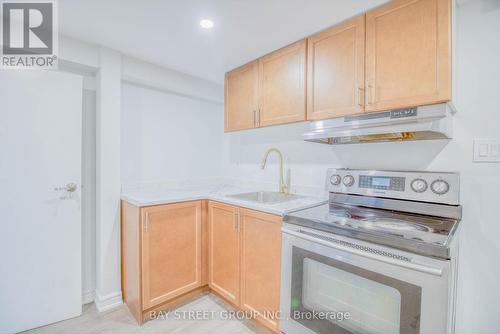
(332, 284)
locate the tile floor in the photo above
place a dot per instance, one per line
(119, 320)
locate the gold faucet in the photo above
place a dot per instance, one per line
(283, 188)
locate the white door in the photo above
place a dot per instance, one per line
(40, 236)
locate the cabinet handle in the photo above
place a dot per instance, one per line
(236, 223)
(361, 97)
(369, 92)
(146, 223)
(254, 118)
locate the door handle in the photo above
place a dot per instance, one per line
(69, 188)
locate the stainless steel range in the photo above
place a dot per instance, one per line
(380, 257)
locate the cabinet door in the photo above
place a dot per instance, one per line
(261, 265)
(171, 251)
(224, 251)
(240, 97)
(282, 76)
(408, 54)
(336, 70)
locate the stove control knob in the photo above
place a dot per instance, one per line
(419, 185)
(348, 180)
(440, 187)
(335, 179)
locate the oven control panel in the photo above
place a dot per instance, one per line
(382, 182)
(432, 187)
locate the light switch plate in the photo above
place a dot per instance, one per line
(486, 150)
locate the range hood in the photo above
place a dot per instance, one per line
(419, 123)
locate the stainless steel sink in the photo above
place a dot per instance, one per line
(265, 197)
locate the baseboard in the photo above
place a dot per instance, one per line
(88, 296)
(107, 302)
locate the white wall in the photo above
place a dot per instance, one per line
(476, 98)
(308, 161)
(169, 137)
(88, 195)
(139, 72)
(478, 86)
(108, 184)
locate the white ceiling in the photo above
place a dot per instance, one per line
(167, 32)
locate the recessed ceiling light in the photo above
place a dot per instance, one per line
(207, 24)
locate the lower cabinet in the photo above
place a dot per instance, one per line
(171, 252)
(162, 254)
(244, 248)
(260, 265)
(224, 251)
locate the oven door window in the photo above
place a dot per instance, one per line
(330, 296)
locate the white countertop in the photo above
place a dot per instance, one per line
(217, 192)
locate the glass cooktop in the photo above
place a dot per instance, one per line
(398, 229)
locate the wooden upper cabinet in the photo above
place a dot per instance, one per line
(336, 67)
(261, 265)
(224, 251)
(408, 54)
(396, 56)
(171, 251)
(282, 77)
(240, 97)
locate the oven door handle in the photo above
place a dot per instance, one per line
(401, 263)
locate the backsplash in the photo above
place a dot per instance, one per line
(308, 161)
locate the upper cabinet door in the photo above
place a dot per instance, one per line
(283, 85)
(408, 54)
(241, 94)
(336, 69)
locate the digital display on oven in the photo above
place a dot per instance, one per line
(381, 181)
(392, 183)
